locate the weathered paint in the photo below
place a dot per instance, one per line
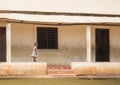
(23, 69)
(93, 68)
(23, 37)
(71, 44)
(114, 42)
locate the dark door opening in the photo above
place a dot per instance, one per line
(102, 45)
(2, 44)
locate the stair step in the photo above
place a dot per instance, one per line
(59, 67)
(60, 71)
(62, 75)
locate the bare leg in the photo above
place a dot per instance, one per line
(34, 59)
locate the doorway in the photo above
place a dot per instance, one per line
(2, 44)
(102, 45)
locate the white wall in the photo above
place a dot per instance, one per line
(114, 42)
(22, 41)
(83, 6)
(71, 44)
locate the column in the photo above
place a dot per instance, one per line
(88, 37)
(8, 42)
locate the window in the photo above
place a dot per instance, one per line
(47, 38)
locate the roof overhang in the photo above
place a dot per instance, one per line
(61, 12)
(53, 19)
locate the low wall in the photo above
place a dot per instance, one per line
(23, 69)
(97, 68)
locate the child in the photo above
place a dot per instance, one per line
(34, 52)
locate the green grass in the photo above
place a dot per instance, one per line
(59, 81)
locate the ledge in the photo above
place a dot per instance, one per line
(96, 68)
(23, 69)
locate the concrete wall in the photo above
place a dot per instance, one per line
(23, 69)
(71, 44)
(22, 41)
(2, 24)
(83, 68)
(114, 42)
(71, 48)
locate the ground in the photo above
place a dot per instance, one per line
(58, 81)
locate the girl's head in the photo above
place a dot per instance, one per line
(36, 44)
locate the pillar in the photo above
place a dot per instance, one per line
(8, 42)
(88, 37)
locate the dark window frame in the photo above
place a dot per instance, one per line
(47, 37)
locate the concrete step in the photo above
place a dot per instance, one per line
(60, 71)
(58, 67)
(62, 75)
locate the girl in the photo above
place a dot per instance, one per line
(34, 52)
